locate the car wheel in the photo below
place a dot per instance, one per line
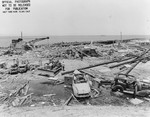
(117, 88)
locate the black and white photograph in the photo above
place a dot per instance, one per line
(74, 58)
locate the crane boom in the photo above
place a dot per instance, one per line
(37, 40)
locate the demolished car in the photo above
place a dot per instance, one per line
(80, 85)
(129, 84)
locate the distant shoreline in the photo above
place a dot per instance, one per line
(6, 40)
(69, 35)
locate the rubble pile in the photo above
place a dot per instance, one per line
(17, 97)
(110, 74)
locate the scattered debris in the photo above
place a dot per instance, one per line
(19, 96)
(136, 101)
(70, 98)
(21, 100)
(92, 82)
(94, 93)
(49, 95)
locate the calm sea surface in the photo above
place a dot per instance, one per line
(6, 40)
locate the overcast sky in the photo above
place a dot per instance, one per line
(79, 17)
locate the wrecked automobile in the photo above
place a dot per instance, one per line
(81, 86)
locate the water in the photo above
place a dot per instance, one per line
(5, 41)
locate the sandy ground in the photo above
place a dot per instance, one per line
(77, 111)
(142, 70)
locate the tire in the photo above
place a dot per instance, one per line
(117, 88)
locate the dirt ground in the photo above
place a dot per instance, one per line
(77, 111)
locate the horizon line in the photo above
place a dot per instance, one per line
(76, 35)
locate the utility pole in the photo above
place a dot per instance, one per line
(121, 36)
(21, 35)
(120, 40)
(48, 43)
